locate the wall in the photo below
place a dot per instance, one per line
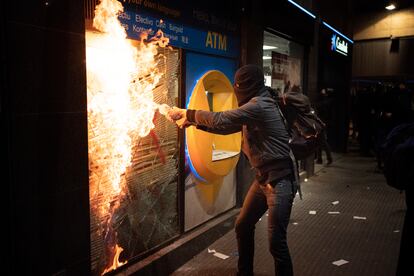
(44, 104)
(383, 58)
(385, 24)
(384, 45)
(252, 33)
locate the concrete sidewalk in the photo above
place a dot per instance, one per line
(366, 232)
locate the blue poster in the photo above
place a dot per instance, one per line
(181, 36)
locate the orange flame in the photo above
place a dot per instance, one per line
(115, 263)
(120, 82)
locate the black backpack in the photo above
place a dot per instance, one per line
(397, 152)
(305, 127)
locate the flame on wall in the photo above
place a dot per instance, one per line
(120, 82)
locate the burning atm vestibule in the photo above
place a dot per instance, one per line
(212, 156)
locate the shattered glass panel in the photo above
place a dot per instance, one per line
(150, 216)
(147, 214)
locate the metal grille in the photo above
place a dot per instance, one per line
(148, 214)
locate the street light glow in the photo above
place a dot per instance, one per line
(390, 7)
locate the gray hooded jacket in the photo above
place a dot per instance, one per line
(265, 138)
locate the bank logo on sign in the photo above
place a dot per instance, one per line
(339, 45)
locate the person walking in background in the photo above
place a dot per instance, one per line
(324, 146)
(354, 112)
(403, 110)
(266, 144)
(382, 123)
(323, 107)
(366, 118)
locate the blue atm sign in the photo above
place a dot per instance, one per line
(181, 36)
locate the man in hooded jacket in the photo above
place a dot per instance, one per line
(266, 144)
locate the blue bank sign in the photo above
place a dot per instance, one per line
(339, 45)
(180, 35)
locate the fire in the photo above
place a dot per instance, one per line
(120, 82)
(115, 263)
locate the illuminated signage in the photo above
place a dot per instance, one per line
(339, 45)
(216, 41)
(180, 35)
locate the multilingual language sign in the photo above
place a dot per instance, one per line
(181, 36)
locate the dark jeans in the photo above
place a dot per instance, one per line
(324, 146)
(278, 198)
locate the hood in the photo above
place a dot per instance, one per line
(248, 81)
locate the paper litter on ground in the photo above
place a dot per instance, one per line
(334, 213)
(356, 217)
(220, 255)
(340, 262)
(312, 212)
(217, 254)
(335, 202)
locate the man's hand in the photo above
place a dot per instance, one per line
(179, 116)
(176, 113)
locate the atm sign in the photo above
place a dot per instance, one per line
(216, 41)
